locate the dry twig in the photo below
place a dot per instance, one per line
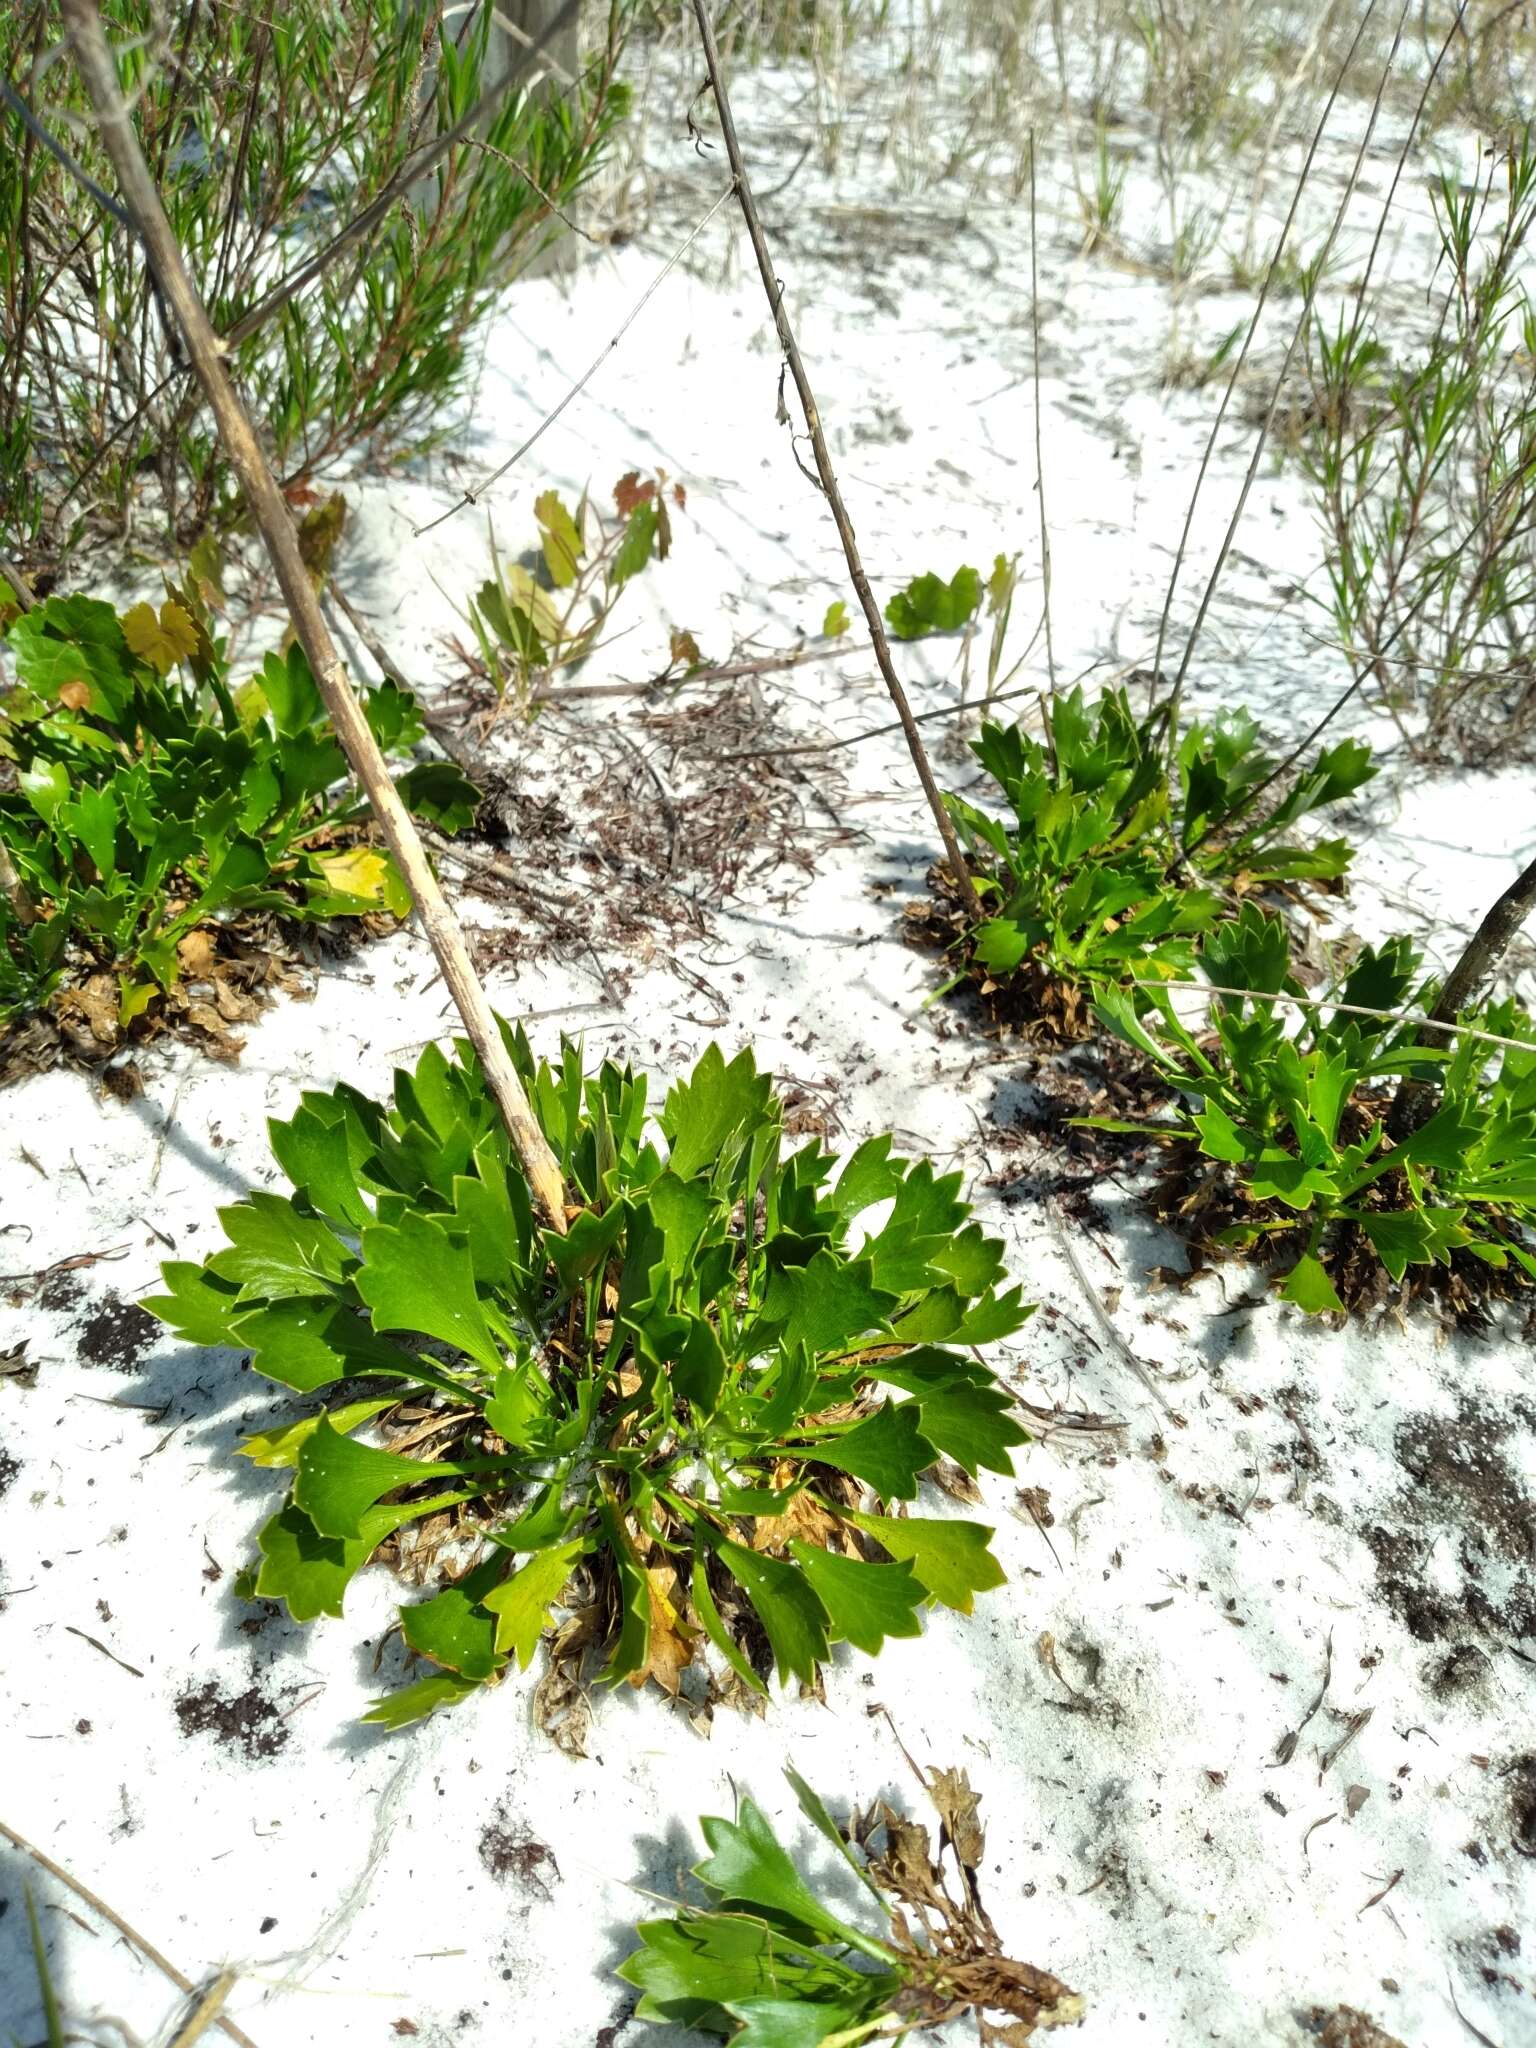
(275, 523)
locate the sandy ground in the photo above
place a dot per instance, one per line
(1252, 1719)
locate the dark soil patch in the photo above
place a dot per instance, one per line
(117, 1334)
(1463, 1489)
(246, 1721)
(1522, 1804)
(61, 1292)
(508, 1854)
(9, 1467)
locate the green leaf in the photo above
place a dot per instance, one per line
(688, 1967)
(634, 550)
(967, 1417)
(339, 1480)
(441, 793)
(825, 1304)
(45, 785)
(521, 1604)
(197, 1306)
(415, 1276)
(812, 1807)
(704, 1607)
(835, 623)
(715, 1104)
(1308, 1286)
(930, 605)
(951, 1558)
(1413, 1237)
(559, 537)
(415, 1702)
(311, 1572)
(279, 1448)
(747, 1866)
(793, 1618)
(887, 1451)
(454, 1629)
(865, 1602)
(307, 1345)
(805, 2023)
(91, 819)
(274, 1250)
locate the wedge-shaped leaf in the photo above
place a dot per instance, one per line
(951, 1558)
(340, 1480)
(161, 641)
(716, 1104)
(747, 1866)
(559, 537)
(924, 1218)
(454, 1629)
(963, 1412)
(825, 1304)
(865, 1602)
(196, 1304)
(521, 1604)
(275, 1251)
(415, 1702)
(309, 1344)
(1308, 1286)
(793, 1618)
(1413, 1237)
(416, 1277)
(357, 880)
(311, 1572)
(930, 605)
(814, 1808)
(943, 1317)
(441, 793)
(886, 1451)
(322, 1155)
(870, 1176)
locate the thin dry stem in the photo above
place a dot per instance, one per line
(273, 520)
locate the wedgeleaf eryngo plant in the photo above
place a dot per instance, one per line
(153, 795)
(1093, 880)
(771, 1963)
(686, 1400)
(1295, 1113)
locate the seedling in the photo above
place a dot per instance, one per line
(770, 1963)
(676, 1420)
(930, 605)
(531, 622)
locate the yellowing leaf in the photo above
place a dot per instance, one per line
(162, 641)
(535, 603)
(669, 1648)
(560, 538)
(368, 875)
(835, 624)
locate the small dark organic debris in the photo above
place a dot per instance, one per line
(1341, 2026)
(247, 1721)
(505, 1853)
(9, 1467)
(1522, 1803)
(117, 1334)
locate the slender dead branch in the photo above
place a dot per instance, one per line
(131, 1935)
(1034, 371)
(824, 469)
(275, 524)
(1464, 987)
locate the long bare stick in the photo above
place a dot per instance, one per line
(130, 1935)
(275, 523)
(824, 468)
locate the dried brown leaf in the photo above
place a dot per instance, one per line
(958, 1808)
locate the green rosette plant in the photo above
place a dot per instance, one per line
(150, 796)
(1109, 870)
(697, 1415)
(1293, 1118)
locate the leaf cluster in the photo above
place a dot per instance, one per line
(715, 1394)
(930, 605)
(149, 795)
(770, 1963)
(1092, 879)
(547, 613)
(1295, 1113)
